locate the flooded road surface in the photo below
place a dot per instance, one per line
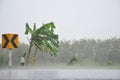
(60, 74)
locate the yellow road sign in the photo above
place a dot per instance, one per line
(9, 40)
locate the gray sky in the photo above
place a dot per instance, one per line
(74, 19)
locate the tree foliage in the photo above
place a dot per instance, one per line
(89, 51)
(72, 60)
(43, 39)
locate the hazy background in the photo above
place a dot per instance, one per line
(74, 19)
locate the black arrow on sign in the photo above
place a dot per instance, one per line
(7, 40)
(12, 41)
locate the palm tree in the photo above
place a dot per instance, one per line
(43, 39)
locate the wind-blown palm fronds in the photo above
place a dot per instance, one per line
(43, 39)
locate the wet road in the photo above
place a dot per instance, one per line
(60, 74)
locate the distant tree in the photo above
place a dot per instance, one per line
(73, 59)
(43, 39)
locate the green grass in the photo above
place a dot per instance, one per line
(67, 66)
(75, 66)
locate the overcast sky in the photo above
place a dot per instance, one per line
(74, 19)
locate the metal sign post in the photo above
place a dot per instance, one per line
(10, 41)
(10, 58)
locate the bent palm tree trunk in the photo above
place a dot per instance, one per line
(34, 57)
(28, 55)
